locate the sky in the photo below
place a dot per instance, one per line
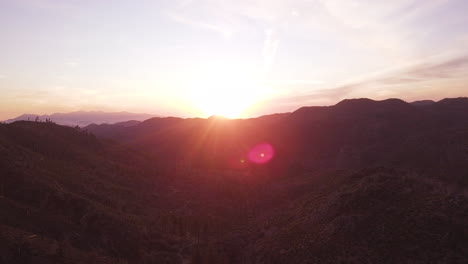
(238, 58)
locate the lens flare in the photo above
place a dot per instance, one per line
(261, 153)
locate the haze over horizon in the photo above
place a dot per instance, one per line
(151, 115)
(233, 58)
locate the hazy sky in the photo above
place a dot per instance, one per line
(247, 57)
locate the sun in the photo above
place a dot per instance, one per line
(227, 102)
(228, 97)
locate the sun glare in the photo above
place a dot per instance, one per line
(225, 96)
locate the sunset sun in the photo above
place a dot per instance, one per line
(224, 102)
(221, 95)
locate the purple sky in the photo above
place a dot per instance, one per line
(238, 58)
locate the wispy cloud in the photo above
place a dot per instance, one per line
(229, 18)
(297, 81)
(438, 68)
(446, 69)
(72, 63)
(270, 47)
(410, 80)
(383, 27)
(200, 24)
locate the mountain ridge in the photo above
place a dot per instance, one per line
(362, 182)
(84, 118)
(346, 135)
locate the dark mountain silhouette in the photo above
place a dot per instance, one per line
(422, 102)
(362, 181)
(352, 134)
(84, 118)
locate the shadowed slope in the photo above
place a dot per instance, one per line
(166, 190)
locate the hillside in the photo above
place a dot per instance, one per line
(66, 196)
(370, 216)
(359, 182)
(430, 139)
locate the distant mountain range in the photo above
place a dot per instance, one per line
(361, 181)
(84, 118)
